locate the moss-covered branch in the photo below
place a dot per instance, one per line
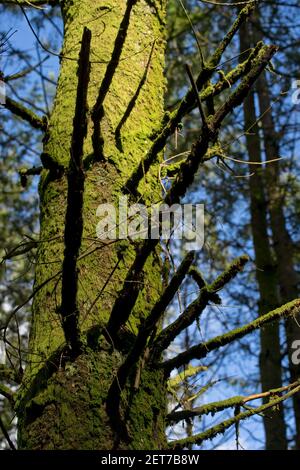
(74, 219)
(230, 273)
(221, 428)
(195, 309)
(201, 350)
(186, 104)
(185, 107)
(243, 16)
(221, 405)
(229, 79)
(26, 114)
(197, 277)
(236, 98)
(199, 149)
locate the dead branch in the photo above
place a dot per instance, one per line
(74, 220)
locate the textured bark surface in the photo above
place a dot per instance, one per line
(266, 275)
(62, 404)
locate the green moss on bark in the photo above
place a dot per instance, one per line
(72, 397)
(68, 408)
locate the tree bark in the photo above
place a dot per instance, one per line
(63, 399)
(270, 353)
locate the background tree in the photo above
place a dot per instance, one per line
(231, 224)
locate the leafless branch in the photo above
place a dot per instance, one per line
(74, 220)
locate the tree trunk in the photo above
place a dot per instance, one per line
(63, 400)
(270, 354)
(283, 246)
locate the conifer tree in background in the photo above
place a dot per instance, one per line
(276, 273)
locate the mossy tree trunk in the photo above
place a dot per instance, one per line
(63, 399)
